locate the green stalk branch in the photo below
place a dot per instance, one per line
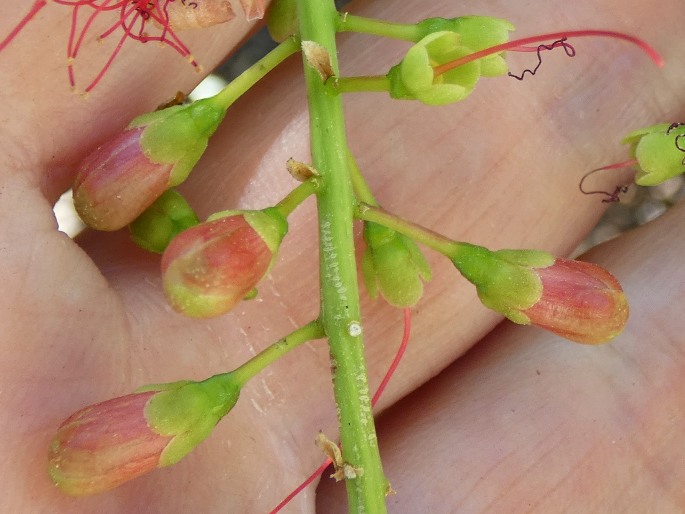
(419, 234)
(243, 82)
(350, 23)
(309, 332)
(340, 310)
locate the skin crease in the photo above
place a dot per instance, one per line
(86, 321)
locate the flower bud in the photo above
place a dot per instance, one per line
(576, 300)
(209, 268)
(124, 176)
(659, 151)
(104, 445)
(393, 265)
(169, 215)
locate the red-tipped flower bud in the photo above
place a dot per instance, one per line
(209, 268)
(104, 445)
(580, 301)
(576, 300)
(124, 176)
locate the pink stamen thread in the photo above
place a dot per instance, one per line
(610, 196)
(133, 18)
(521, 43)
(35, 9)
(388, 374)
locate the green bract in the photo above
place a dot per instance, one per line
(505, 280)
(162, 221)
(659, 151)
(393, 265)
(179, 134)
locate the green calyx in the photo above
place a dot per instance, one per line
(447, 40)
(476, 33)
(393, 265)
(269, 223)
(659, 151)
(414, 78)
(188, 411)
(505, 280)
(179, 134)
(169, 215)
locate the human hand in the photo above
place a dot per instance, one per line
(87, 321)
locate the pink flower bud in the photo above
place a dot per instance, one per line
(104, 445)
(158, 150)
(580, 301)
(118, 181)
(209, 268)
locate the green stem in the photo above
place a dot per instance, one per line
(298, 195)
(371, 84)
(310, 331)
(243, 82)
(359, 184)
(437, 242)
(350, 23)
(340, 309)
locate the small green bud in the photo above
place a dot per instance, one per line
(659, 151)
(169, 215)
(282, 20)
(393, 265)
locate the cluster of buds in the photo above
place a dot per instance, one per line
(104, 445)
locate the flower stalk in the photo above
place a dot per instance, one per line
(340, 308)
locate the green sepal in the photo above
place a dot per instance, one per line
(179, 134)
(188, 411)
(252, 294)
(269, 223)
(282, 21)
(476, 33)
(656, 150)
(414, 77)
(505, 280)
(169, 215)
(393, 265)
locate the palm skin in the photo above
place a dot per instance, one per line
(86, 320)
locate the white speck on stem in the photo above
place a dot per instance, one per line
(354, 329)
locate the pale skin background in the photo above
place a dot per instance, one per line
(524, 422)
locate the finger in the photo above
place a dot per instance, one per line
(47, 126)
(537, 424)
